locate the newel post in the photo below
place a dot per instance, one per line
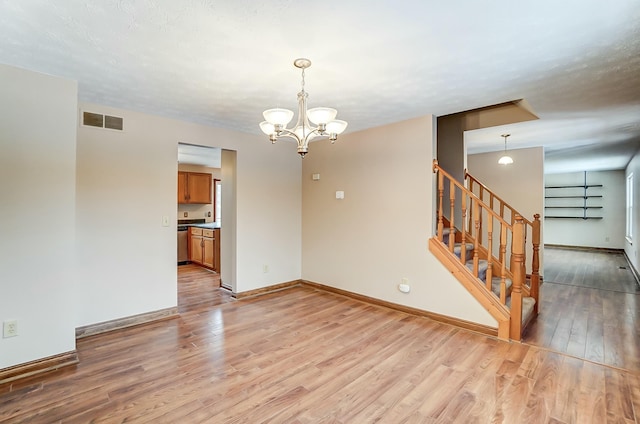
(440, 229)
(517, 254)
(535, 262)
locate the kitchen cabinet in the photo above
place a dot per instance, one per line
(204, 247)
(194, 187)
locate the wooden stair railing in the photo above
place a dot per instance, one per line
(478, 222)
(508, 213)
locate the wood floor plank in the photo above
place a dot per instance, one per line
(302, 355)
(589, 308)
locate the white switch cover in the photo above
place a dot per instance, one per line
(340, 195)
(165, 221)
(315, 177)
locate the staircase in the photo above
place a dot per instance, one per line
(485, 242)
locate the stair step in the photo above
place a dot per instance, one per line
(495, 285)
(528, 303)
(482, 275)
(482, 268)
(446, 231)
(457, 250)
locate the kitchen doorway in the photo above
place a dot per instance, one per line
(220, 164)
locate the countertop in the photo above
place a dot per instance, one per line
(208, 225)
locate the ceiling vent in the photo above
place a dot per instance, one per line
(97, 120)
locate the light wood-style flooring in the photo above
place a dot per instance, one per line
(589, 308)
(306, 356)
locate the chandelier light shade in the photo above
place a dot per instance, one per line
(314, 123)
(505, 159)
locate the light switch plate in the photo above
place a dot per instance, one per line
(340, 195)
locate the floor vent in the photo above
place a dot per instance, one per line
(98, 120)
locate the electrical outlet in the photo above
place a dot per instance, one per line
(404, 286)
(10, 328)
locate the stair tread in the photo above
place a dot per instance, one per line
(457, 250)
(482, 263)
(495, 285)
(458, 246)
(482, 268)
(528, 303)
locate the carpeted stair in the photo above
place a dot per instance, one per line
(528, 303)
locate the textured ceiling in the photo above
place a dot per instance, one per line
(223, 62)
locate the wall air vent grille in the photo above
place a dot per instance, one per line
(92, 119)
(102, 121)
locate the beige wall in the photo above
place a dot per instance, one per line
(128, 259)
(378, 235)
(228, 232)
(37, 230)
(199, 211)
(520, 184)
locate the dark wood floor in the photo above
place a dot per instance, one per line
(307, 356)
(590, 308)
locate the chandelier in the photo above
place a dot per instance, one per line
(276, 120)
(505, 159)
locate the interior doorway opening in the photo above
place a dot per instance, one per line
(206, 196)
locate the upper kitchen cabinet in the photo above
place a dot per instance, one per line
(194, 187)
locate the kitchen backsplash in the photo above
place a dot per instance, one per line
(196, 211)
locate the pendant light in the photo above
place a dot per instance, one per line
(505, 159)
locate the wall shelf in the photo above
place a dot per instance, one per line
(568, 197)
(576, 186)
(572, 217)
(565, 197)
(573, 207)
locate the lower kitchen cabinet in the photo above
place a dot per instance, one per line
(208, 246)
(204, 247)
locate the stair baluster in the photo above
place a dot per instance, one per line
(489, 281)
(463, 243)
(534, 290)
(517, 253)
(452, 203)
(476, 258)
(440, 211)
(503, 264)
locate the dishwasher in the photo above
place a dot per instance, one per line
(183, 248)
(183, 238)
